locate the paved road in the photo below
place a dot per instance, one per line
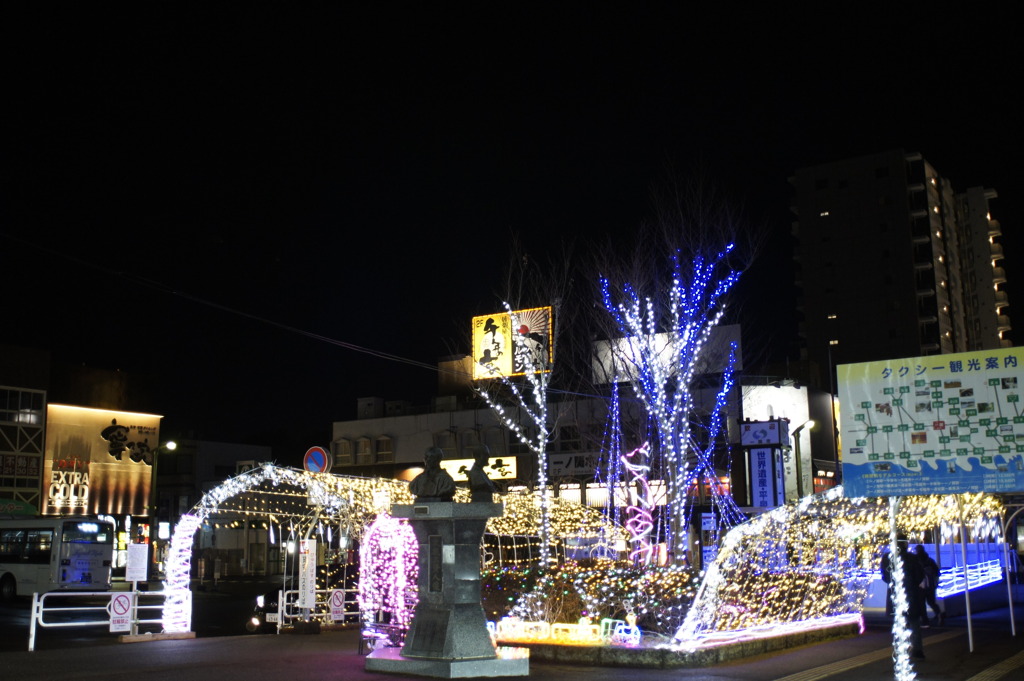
(332, 655)
(96, 655)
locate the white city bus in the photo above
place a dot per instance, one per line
(38, 555)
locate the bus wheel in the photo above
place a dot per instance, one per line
(7, 589)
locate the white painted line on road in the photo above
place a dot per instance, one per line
(828, 670)
(1000, 670)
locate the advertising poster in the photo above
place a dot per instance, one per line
(512, 345)
(98, 461)
(941, 424)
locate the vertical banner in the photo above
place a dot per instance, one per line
(766, 478)
(780, 479)
(307, 573)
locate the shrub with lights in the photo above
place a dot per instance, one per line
(658, 597)
(808, 563)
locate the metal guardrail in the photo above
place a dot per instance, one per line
(53, 610)
(288, 610)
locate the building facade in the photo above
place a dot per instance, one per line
(893, 262)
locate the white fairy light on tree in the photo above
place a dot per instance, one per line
(529, 400)
(665, 334)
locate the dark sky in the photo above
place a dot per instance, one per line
(182, 183)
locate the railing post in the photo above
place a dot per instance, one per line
(135, 610)
(32, 623)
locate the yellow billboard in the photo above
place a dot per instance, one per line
(98, 461)
(497, 468)
(513, 344)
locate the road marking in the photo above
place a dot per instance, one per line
(827, 670)
(1000, 670)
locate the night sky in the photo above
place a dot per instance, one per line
(187, 188)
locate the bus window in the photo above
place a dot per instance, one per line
(12, 544)
(38, 545)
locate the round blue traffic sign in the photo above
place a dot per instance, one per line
(317, 460)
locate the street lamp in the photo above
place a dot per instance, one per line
(809, 425)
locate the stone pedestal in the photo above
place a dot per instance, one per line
(448, 637)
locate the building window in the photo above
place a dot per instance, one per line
(516, 444)
(343, 452)
(385, 450)
(445, 439)
(364, 451)
(24, 407)
(494, 438)
(569, 439)
(469, 441)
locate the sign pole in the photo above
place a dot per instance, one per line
(967, 584)
(1006, 565)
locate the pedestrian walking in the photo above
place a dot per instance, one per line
(884, 566)
(930, 584)
(913, 575)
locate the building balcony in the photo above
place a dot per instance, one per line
(1002, 300)
(998, 275)
(1003, 323)
(994, 228)
(996, 251)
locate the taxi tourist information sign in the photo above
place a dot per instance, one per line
(940, 424)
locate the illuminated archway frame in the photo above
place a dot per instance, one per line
(324, 497)
(357, 499)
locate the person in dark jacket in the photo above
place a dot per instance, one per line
(931, 583)
(913, 575)
(884, 567)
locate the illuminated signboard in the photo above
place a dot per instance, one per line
(941, 424)
(498, 468)
(512, 344)
(98, 461)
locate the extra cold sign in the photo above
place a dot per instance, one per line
(317, 460)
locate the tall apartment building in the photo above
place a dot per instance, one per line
(893, 262)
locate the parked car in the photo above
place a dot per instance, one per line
(264, 616)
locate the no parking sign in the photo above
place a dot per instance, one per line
(317, 460)
(120, 609)
(337, 605)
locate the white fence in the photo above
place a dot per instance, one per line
(120, 611)
(324, 612)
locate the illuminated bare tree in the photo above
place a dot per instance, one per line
(663, 306)
(519, 365)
